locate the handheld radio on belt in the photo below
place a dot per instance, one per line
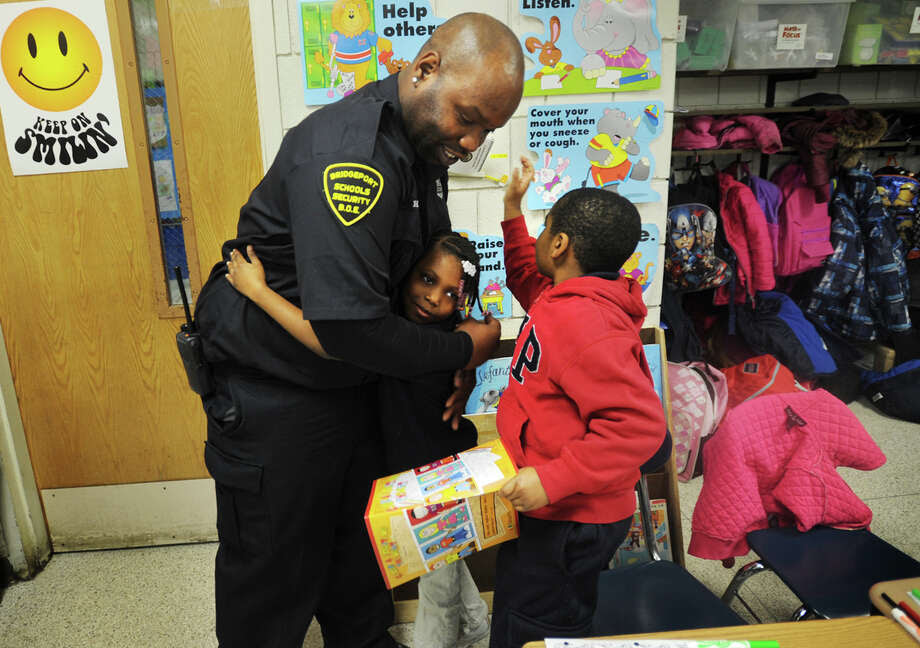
(189, 342)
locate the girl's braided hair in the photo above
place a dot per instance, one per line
(465, 250)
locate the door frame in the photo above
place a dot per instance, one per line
(26, 534)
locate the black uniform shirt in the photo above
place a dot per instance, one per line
(410, 417)
(338, 220)
(342, 198)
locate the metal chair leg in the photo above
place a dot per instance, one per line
(748, 608)
(802, 613)
(740, 576)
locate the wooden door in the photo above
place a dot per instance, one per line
(101, 390)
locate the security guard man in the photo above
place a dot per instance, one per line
(350, 203)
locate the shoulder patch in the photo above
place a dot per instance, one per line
(351, 190)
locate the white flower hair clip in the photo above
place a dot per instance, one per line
(468, 267)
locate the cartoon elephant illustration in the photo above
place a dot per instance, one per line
(608, 152)
(614, 33)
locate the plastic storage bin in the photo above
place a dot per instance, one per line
(788, 33)
(708, 35)
(879, 32)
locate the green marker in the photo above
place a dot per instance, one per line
(661, 643)
(735, 643)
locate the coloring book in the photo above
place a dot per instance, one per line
(438, 513)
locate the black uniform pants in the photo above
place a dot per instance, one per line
(546, 580)
(293, 469)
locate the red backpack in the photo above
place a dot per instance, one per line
(759, 376)
(804, 224)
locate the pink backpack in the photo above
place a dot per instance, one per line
(699, 395)
(804, 224)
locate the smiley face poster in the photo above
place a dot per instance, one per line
(58, 96)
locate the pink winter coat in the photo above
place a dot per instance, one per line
(747, 234)
(778, 455)
(737, 131)
(748, 132)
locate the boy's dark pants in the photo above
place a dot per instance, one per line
(546, 580)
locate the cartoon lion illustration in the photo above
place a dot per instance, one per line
(352, 40)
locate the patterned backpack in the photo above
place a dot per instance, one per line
(690, 261)
(699, 396)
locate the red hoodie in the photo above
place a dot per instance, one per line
(580, 406)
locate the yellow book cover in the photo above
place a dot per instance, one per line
(438, 513)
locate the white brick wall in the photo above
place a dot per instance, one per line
(475, 203)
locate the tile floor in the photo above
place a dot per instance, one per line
(162, 597)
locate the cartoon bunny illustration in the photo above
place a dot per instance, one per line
(615, 34)
(550, 55)
(549, 183)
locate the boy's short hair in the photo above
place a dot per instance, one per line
(603, 227)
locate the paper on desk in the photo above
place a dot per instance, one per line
(550, 82)
(610, 79)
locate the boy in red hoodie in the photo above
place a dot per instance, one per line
(580, 413)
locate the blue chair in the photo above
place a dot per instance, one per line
(829, 570)
(658, 595)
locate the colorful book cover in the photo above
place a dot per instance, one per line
(653, 357)
(633, 551)
(438, 513)
(491, 382)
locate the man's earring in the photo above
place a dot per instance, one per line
(415, 81)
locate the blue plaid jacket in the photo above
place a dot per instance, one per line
(864, 290)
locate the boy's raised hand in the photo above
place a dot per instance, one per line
(517, 187)
(246, 276)
(525, 491)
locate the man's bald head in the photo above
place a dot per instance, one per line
(466, 81)
(478, 40)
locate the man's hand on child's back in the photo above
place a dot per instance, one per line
(517, 187)
(525, 491)
(454, 408)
